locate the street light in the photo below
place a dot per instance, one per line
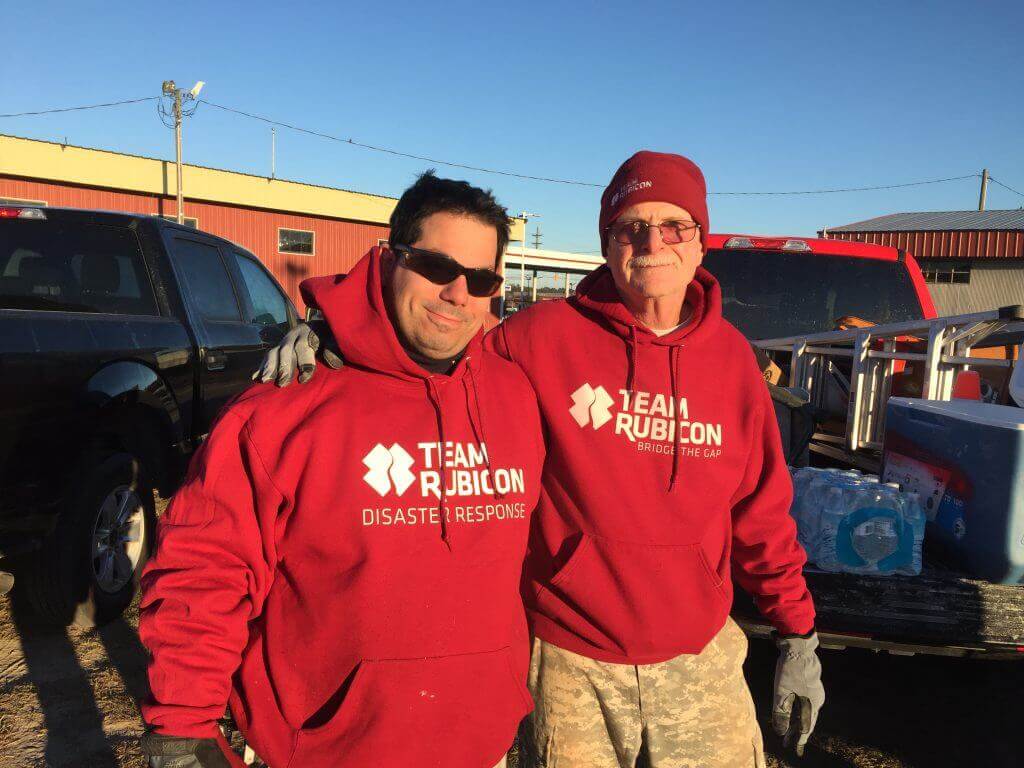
(522, 253)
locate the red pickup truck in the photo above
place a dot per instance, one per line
(773, 287)
(776, 287)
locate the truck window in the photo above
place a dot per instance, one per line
(772, 294)
(206, 280)
(73, 267)
(269, 306)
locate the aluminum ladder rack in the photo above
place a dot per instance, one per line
(871, 356)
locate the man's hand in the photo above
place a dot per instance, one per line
(799, 694)
(296, 351)
(179, 752)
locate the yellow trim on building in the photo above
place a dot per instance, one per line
(49, 161)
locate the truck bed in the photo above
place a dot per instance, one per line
(939, 612)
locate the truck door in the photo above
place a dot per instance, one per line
(229, 347)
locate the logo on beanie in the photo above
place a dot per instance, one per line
(629, 188)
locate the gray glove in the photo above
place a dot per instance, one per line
(799, 694)
(179, 752)
(297, 350)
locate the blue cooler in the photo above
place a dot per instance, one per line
(966, 461)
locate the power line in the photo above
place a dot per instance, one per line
(77, 109)
(481, 169)
(435, 161)
(1006, 186)
(573, 182)
(855, 189)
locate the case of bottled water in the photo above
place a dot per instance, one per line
(852, 523)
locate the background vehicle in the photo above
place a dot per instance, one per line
(121, 337)
(779, 286)
(787, 288)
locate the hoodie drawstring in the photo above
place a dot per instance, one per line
(481, 432)
(631, 361)
(435, 400)
(673, 357)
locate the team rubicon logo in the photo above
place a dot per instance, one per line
(475, 489)
(645, 418)
(631, 186)
(466, 471)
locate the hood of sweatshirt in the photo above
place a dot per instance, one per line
(356, 313)
(597, 292)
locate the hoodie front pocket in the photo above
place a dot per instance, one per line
(448, 710)
(636, 600)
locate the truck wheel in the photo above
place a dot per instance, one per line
(88, 571)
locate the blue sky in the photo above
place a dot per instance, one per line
(764, 96)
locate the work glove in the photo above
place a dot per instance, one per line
(799, 694)
(179, 752)
(297, 351)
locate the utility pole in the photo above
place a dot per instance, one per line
(984, 189)
(522, 253)
(273, 152)
(170, 89)
(536, 237)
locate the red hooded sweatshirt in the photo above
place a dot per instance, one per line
(304, 574)
(664, 480)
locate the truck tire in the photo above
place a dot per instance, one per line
(87, 572)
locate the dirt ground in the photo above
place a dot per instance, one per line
(68, 698)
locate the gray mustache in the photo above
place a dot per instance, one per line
(649, 261)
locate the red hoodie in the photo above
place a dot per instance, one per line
(304, 574)
(664, 478)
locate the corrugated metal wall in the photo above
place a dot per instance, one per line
(338, 244)
(991, 244)
(993, 284)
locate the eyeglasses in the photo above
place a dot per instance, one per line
(635, 232)
(442, 270)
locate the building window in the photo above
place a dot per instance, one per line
(940, 272)
(19, 201)
(189, 221)
(295, 241)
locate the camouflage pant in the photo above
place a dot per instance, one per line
(693, 711)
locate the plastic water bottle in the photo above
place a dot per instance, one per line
(812, 511)
(916, 519)
(801, 483)
(833, 510)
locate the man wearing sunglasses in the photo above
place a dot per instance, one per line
(664, 482)
(342, 564)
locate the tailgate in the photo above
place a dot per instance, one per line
(939, 611)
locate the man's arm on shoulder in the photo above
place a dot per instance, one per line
(767, 560)
(208, 578)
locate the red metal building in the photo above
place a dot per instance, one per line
(297, 230)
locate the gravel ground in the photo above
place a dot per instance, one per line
(68, 698)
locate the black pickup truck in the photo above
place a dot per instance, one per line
(121, 337)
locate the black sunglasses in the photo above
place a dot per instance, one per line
(442, 270)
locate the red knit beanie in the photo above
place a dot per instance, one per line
(656, 177)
